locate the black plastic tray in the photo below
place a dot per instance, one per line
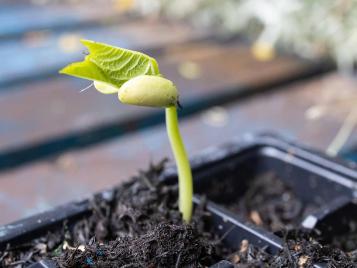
(313, 177)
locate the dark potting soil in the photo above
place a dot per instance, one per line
(271, 203)
(139, 225)
(347, 241)
(344, 238)
(305, 250)
(299, 251)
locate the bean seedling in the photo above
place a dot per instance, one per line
(136, 78)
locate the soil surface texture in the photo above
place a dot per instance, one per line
(138, 225)
(272, 204)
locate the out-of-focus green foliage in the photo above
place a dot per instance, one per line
(310, 28)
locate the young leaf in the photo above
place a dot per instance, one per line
(111, 65)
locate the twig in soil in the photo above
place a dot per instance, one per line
(179, 257)
(128, 265)
(73, 253)
(19, 262)
(3, 256)
(159, 166)
(146, 181)
(225, 234)
(97, 209)
(178, 260)
(287, 251)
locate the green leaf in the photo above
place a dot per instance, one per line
(111, 65)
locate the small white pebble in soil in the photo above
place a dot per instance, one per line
(255, 217)
(236, 259)
(303, 260)
(41, 247)
(244, 246)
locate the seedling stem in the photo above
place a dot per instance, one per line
(182, 162)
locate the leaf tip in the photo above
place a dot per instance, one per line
(67, 69)
(63, 70)
(86, 42)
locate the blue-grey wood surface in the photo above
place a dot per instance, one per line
(57, 144)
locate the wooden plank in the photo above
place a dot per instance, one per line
(291, 111)
(17, 19)
(43, 54)
(54, 113)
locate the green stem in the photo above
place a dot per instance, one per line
(183, 165)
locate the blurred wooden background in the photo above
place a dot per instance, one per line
(58, 144)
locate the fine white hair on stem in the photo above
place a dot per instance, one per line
(87, 87)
